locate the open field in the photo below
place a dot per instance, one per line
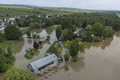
(6, 11)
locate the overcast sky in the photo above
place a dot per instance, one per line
(82, 4)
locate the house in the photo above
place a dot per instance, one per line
(41, 65)
(12, 20)
(48, 16)
(43, 35)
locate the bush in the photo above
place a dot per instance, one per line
(35, 45)
(28, 34)
(55, 48)
(67, 56)
(19, 74)
(6, 60)
(31, 53)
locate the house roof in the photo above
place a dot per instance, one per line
(42, 62)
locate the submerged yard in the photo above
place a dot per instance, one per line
(99, 62)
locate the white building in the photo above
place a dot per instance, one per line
(41, 65)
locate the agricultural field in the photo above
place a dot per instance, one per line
(8, 11)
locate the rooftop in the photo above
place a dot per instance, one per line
(42, 62)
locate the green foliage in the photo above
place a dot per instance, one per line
(2, 38)
(35, 25)
(55, 48)
(98, 32)
(67, 44)
(67, 34)
(19, 74)
(75, 47)
(58, 32)
(6, 60)
(52, 49)
(28, 34)
(30, 53)
(98, 29)
(67, 56)
(22, 22)
(108, 31)
(12, 32)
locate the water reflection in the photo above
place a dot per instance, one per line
(101, 62)
(76, 66)
(104, 44)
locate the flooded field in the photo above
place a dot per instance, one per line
(101, 61)
(21, 61)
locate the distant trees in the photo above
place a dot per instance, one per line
(19, 74)
(12, 32)
(58, 32)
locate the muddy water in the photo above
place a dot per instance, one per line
(21, 61)
(101, 62)
(20, 47)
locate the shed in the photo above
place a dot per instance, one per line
(44, 63)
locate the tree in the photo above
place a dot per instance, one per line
(35, 25)
(98, 29)
(12, 32)
(28, 34)
(35, 45)
(108, 31)
(67, 34)
(58, 32)
(75, 47)
(22, 22)
(6, 60)
(19, 74)
(1, 37)
(67, 56)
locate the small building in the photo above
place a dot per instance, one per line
(43, 64)
(43, 35)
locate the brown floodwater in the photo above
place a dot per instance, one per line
(101, 60)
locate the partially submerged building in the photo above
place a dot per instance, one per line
(43, 64)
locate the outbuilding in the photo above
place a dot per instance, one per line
(43, 64)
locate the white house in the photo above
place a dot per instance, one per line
(43, 35)
(41, 65)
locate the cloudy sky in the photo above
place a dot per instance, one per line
(82, 4)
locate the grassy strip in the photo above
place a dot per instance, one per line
(30, 53)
